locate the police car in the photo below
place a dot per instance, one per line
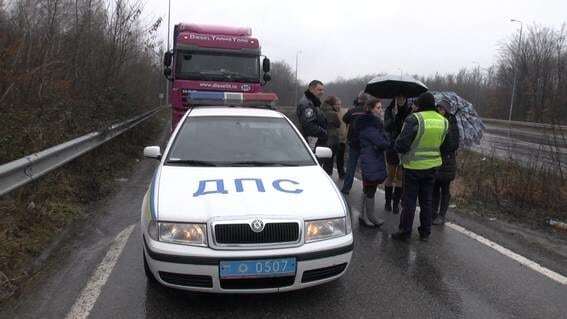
(239, 204)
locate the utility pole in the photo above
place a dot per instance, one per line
(296, 79)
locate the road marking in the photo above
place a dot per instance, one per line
(507, 252)
(87, 299)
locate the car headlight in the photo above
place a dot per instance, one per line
(186, 234)
(325, 229)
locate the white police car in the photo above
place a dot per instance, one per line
(239, 204)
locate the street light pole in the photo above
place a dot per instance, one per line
(296, 79)
(515, 76)
(168, 26)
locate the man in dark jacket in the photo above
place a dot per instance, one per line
(311, 119)
(352, 139)
(447, 172)
(419, 143)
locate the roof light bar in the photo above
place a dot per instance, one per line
(200, 98)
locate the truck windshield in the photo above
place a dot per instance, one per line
(238, 141)
(217, 67)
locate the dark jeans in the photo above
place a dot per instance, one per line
(327, 163)
(418, 185)
(353, 155)
(441, 198)
(341, 159)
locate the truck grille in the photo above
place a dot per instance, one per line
(243, 234)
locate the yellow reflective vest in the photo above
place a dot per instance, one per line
(424, 152)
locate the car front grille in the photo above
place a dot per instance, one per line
(257, 283)
(273, 233)
(186, 280)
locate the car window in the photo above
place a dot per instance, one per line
(238, 141)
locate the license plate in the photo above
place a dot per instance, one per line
(257, 268)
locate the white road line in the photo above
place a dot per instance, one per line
(87, 299)
(507, 252)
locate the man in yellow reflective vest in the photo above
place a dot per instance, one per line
(419, 144)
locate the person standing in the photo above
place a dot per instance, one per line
(446, 174)
(311, 119)
(342, 143)
(352, 139)
(394, 117)
(373, 142)
(419, 143)
(330, 109)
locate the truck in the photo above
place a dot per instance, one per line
(210, 63)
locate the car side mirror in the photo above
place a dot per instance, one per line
(266, 65)
(167, 57)
(167, 72)
(267, 77)
(323, 152)
(152, 152)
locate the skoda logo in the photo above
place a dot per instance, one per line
(257, 225)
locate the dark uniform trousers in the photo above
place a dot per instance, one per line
(418, 185)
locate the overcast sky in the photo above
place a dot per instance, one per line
(356, 37)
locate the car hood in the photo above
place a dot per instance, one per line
(197, 194)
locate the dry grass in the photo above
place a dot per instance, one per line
(33, 215)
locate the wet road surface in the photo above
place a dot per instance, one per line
(451, 276)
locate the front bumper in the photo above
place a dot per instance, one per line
(317, 263)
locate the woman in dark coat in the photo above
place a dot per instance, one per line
(394, 118)
(373, 143)
(447, 172)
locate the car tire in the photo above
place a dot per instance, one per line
(149, 275)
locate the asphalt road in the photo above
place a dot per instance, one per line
(452, 276)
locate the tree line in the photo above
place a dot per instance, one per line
(538, 61)
(68, 67)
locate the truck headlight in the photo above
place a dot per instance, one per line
(185, 234)
(325, 229)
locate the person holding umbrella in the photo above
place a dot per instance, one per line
(446, 174)
(420, 142)
(394, 117)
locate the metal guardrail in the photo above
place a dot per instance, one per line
(24, 170)
(525, 124)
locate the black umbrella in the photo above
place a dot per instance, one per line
(390, 86)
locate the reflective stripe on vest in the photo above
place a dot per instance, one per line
(424, 152)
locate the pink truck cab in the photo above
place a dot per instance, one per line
(214, 62)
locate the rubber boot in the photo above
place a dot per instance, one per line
(363, 213)
(396, 199)
(371, 212)
(388, 192)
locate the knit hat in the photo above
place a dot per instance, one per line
(426, 101)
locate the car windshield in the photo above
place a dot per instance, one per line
(217, 67)
(238, 141)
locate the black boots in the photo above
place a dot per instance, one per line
(388, 205)
(397, 196)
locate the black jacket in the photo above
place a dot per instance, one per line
(350, 119)
(393, 122)
(448, 170)
(311, 118)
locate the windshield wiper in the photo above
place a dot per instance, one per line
(261, 163)
(191, 162)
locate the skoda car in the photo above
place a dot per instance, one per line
(239, 204)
